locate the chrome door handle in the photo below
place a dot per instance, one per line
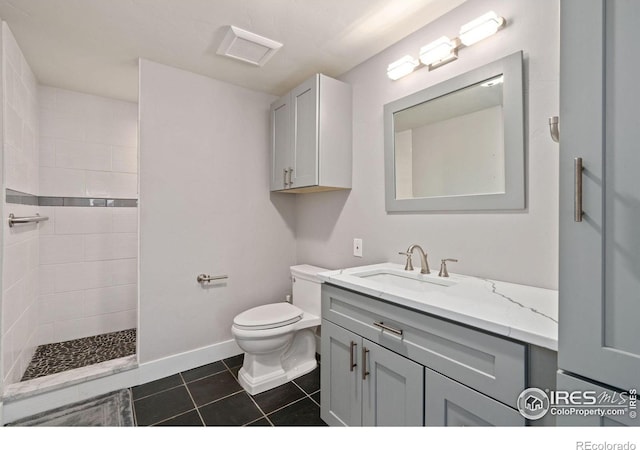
(577, 190)
(388, 328)
(352, 364)
(365, 372)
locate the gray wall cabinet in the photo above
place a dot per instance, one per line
(420, 370)
(311, 134)
(599, 291)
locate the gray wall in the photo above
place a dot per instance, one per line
(520, 246)
(205, 207)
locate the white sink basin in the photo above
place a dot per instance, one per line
(414, 281)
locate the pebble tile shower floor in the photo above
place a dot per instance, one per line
(61, 356)
(211, 396)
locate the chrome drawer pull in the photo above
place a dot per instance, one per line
(388, 328)
(351, 352)
(577, 189)
(365, 372)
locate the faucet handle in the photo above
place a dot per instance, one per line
(443, 267)
(409, 264)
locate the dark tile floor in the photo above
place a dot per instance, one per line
(211, 396)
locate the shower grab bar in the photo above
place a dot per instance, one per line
(27, 219)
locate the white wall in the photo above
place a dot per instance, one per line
(205, 207)
(20, 249)
(88, 255)
(520, 246)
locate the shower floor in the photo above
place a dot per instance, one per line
(61, 356)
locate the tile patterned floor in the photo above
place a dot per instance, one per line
(211, 396)
(61, 356)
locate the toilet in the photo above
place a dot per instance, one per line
(278, 339)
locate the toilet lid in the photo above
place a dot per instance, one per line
(268, 316)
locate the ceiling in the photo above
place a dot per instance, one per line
(93, 46)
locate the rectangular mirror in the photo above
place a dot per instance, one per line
(458, 145)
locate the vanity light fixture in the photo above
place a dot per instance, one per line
(444, 50)
(439, 52)
(400, 68)
(484, 26)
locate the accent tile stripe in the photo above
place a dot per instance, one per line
(22, 198)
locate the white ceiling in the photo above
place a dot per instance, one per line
(93, 45)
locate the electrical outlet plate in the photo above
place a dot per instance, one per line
(357, 247)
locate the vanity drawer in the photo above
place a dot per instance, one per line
(489, 364)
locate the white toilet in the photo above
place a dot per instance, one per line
(279, 338)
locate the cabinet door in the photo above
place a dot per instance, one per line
(451, 404)
(572, 384)
(304, 104)
(281, 153)
(599, 336)
(340, 381)
(392, 388)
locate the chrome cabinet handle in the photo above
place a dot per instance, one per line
(352, 364)
(365, 372)
(286, 171)
(577, 190)
(290, 175)
(388, 328)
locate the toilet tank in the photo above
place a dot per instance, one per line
(306, 288)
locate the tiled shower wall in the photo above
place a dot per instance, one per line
(20, 250)
(88, 265)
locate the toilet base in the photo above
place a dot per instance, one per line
(261, 372)
(255, 386)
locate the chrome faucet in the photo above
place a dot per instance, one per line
(423, 259)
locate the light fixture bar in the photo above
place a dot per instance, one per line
(438, 51)
(444, 50)
(402, 67)
(484, 26)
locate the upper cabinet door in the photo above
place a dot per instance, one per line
(599, 335)
(304, 103)
(281, 152)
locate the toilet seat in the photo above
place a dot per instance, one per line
(265, 317)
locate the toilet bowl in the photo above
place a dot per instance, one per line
(278, 339)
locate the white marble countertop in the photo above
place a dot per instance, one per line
(525, 313)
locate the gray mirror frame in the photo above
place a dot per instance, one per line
(514, 144)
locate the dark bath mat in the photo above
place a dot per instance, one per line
(109, 410)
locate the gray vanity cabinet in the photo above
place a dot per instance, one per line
(599, 285)
(367, 385)
(387, 365)
(311, 137)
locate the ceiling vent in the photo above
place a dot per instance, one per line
(247, 46)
